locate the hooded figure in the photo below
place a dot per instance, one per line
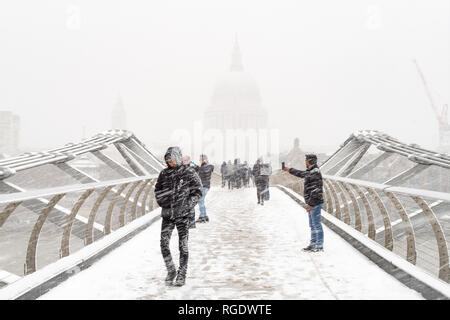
(177, 191)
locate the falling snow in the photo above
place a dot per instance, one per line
(246, 251)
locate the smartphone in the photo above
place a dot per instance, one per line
(282, 166)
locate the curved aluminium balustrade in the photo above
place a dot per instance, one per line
(97, 192)
(365, 196)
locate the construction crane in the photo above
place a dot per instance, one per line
(441, 116)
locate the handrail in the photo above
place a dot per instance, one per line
(70, 222)
(95, 203)
(393, 214)
(429, 194)
(33, 194)
(111, 138)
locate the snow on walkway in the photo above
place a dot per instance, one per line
(246, 251)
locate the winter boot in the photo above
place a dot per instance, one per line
(308, 248)
(206, 219)
(316, 249)
(181, 279)
(170, 276)
(201, 220)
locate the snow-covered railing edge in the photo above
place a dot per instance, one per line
(137, 188)
(41, 281)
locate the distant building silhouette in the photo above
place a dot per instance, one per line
(9, 133)
(236, 108)
(295, 157)
(236, 99)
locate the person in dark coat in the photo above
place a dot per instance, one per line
(245, 175)
(260, 181)
(266, 171)
(313, 194)
(177, 191)
(204, 171)
(229, 174)
(250, 174)
(223, 169)
(237, 179)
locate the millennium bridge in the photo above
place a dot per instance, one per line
(81, 222)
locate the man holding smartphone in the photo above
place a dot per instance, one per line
(313, 195)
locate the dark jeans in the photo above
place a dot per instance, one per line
(237, 182)
(167, 227)
(192, 219)
(315, 223)
(261, 188)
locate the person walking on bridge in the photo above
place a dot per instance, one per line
(204, 171)
(250, 174)
(313, 194)
(177, 191)
(237, 178)
(266, 171)
(245, 175)
(260, 180)
(229, 174)
(223, 169)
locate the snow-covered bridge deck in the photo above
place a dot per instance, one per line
(246, 251)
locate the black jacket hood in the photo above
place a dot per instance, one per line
(174, 153)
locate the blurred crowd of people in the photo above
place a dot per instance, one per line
(237, 175)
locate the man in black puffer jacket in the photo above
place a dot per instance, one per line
(177, 191)
(204, 171)
(313, 194)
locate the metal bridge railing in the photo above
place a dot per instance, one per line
(92, 210)
(413, 223)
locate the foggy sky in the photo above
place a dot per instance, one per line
(325, 68)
